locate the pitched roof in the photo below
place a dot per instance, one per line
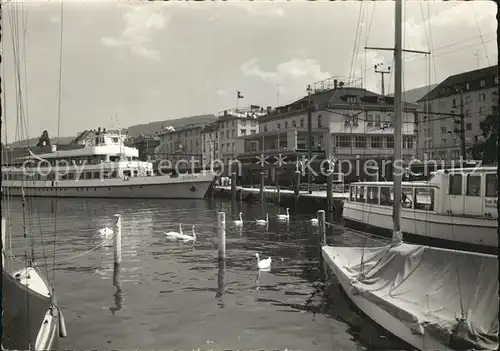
(446, 87)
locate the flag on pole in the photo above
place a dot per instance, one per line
(239, 95)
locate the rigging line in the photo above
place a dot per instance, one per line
(481, 35)
(61, 37)
(355, 46)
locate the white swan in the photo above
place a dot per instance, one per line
(181, 235)
(263, 221)
(263, 264)
(240, 221)
(106, 232)
(283, 216)
(314, 221)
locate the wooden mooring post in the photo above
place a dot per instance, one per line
(278, 186)
(233, 187)
(118, 240)
(221, 231)
(296, 190)
(262, 179)
(3, 242)
(322, 226)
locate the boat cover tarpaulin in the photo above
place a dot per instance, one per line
(23, 313)
(427, 288)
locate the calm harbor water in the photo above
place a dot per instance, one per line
(174, 296)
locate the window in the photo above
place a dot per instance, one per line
(491, 185)
(468, 126)
(278, 126)
(294, 123)
(372, 195)
(343, 141)
(390, 142)
(301, 123)
(443, 142)
(407, 197)
(265, 128)
(482, 97)
(286, 124)
(454, 103)
(455, 184)
(353, 193)
(386, 196)
(360, 194)
(369, 120)
(443, 129)
(377, 120)
(424, 199)
(361, 142)
(320, 121)
(376, 142)
(482, 83)
(473, 185)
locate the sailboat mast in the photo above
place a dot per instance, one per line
(398, 115)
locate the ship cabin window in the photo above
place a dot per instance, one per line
(424, 199)
(491, 185)
(473, 185)
(127, 173)
(407, 197)
(372, 195)
(455, 184)
(114, 158)
(96, 175)
(360, 194)
(71, 176)
(87, 175)
(353, 193)
(136, 172)
(386, 196)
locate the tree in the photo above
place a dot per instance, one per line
(486, 149)
(44, 139)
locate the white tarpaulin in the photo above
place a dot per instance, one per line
(449, 295)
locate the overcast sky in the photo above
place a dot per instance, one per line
(154, 61)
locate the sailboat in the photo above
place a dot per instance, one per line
(431, 298)
(31, 317)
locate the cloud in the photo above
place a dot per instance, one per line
(140, 23)
(221, 92)
(296, 69)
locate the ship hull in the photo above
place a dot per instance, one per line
(193, 188)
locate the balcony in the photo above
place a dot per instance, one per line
(284, 141)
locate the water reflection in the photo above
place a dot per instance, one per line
(118, 295)
(221, 285)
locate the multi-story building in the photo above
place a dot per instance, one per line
(233, 124)
(210, 144)
(182, 146)
(475, 93)
(348, 123)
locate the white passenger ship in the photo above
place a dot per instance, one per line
(455, 205)
(104, 168)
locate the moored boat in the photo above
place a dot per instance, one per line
(455, 205)
(104, 168)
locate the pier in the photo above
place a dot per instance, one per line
(304, 202)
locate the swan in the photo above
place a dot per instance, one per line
(263, 221)
(314, 221)
(283, 216)
(181, 235)
(106, 232)
(240, 221)
(263, 264)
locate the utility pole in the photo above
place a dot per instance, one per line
(382, 72)
(309, 136)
